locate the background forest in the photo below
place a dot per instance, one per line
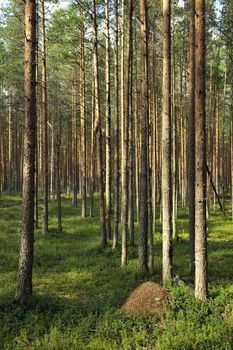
(116, 168)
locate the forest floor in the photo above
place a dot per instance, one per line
(79, 288)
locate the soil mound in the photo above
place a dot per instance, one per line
(148, 299)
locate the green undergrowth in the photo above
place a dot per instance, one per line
(79, 288)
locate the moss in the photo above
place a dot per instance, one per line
(78, 288)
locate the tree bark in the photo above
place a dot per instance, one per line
(143, 191)
(124, 141)
(83, 116)
(45, 120)
(74, 142)
(166, 147)
(108, 123)
(191, 147)
(98, 131)
(92, 167)
(201, 282)
(24, 279)
(116, 131)
(58, 151)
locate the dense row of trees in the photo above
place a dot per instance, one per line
(138, 109)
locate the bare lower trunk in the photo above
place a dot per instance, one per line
(191, 148)
(166, 147)
(131, 135)
(116, 132)
(201, 282)
(143, 209)
(98, 131)
(83, 117)
(108, 124)
(124, 141)
(58, 170)
(24, 279)
(92, 147)
(45, 127)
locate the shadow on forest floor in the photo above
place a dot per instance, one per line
(74, 277)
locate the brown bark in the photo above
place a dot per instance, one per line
(201, 282)
(166, 147)
(92, 165)
(116, 131)
(191, 146)
(108, 123)
(74, 141)
(83, 116)
(143, 209)
(58, 171)
(231, 94)
(10, 148)
(98, 131)
(24, 279)
(124, 140)
(131, 134)
(45, 120)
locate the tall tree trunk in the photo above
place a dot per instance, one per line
(92, 167)
(45, 120)
(201, 283)
(166, 147)
(154, 138)
(174, 155)
(223, 153)
(74, 141)
(24, 279)
(108, 123)
(143, 209)
(130, 132)
(116, 130)
(52, 169)
(58, 150)
(231, 94)
(191, 146)
(36, 133)
(83, 116)
(124, 140)
(98, 131)
(10, 147)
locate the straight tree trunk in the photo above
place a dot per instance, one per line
(36, 137)
(143, 191)
(116, 130)
(45, 120)
(191, 146)
(201, 275)
(92, 167)
(108, 123)
(98, 132)
(52, 170)
(10, 148)
(231, 94)
(24, 279)
(130, 130)
(153, 156)
(166, 147)
(83, 116)
(131, 142)
(58, 170)
(74, 142)
(124, 140)
(174, 155)
(223, 153)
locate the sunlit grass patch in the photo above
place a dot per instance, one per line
(79, 287)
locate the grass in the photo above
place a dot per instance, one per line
(79, 287)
